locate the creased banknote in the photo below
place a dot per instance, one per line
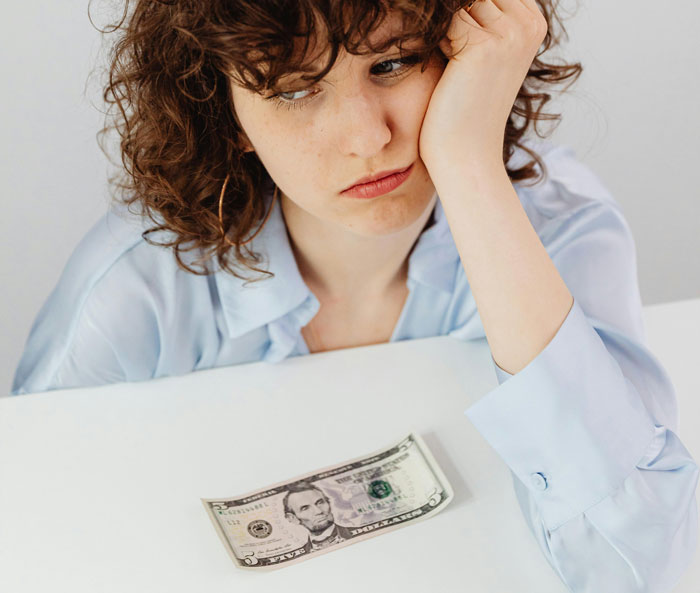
(331, 508)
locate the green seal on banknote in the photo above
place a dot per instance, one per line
(379, 489)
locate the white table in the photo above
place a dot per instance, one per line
(100, 487)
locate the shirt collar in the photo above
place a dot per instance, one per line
(246, 307)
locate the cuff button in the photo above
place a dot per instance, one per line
(538, 481)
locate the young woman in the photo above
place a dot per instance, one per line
(367, 162)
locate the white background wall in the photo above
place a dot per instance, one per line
(633, 117)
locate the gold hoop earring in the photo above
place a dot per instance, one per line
(221, 217)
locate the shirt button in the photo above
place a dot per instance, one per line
(538, 481)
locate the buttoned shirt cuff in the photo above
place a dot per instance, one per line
(570, 425)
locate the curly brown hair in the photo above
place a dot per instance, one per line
(182, 146)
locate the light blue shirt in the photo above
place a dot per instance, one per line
(588, 428)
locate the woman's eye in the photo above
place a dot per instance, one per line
(405, 61)
(288, 100)
(292, 93)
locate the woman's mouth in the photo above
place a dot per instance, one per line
(378, 187)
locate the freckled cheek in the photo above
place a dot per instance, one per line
(412, 106)
(307, 153)
(426, 91)
(302, 175)
(283, 149)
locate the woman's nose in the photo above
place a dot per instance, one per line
(362, 126)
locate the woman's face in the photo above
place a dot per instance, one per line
(358, 121)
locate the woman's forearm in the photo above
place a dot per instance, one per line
(521, 298)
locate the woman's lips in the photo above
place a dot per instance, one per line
(378, 187)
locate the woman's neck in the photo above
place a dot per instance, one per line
(339, 265)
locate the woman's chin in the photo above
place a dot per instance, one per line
(388, 215)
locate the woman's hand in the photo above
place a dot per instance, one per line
(469, 107)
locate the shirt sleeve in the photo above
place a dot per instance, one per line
(99, 325)
(111, 339)
(589, 427)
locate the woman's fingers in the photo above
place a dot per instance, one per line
(532, 5)
(484, 20)
(513, 6)
(484, 12)
(521, 15)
